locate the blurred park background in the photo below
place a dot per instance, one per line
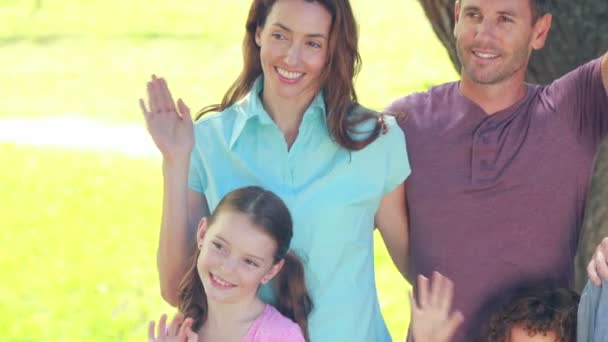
(80, 182)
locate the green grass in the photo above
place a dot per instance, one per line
(92, 58)
(78, 245)
(80, 228)
(78, 248)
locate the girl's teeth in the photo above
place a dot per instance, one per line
(220, 281)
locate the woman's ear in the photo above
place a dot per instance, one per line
(258, 36)
(274, 270)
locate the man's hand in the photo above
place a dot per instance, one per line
(598, 266)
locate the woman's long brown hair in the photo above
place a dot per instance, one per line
(269, 213)
(344, 115)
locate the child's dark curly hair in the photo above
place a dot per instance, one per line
(539, 310)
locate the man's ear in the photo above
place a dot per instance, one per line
(540, 31)
(456, 15)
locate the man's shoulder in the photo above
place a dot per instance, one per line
(436, 93)
(420, 103)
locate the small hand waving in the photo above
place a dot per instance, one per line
(180, 330)
(431, 317)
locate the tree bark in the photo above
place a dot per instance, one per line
(579, 33)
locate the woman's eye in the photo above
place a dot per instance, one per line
(218, 245)
(314, 44)
(278, 36)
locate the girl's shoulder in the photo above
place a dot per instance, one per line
(272, 326)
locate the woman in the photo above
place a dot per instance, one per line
(291, 123)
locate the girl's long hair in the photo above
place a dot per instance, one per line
(344, 115)
(268, 212)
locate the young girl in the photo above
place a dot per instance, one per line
(291, 124)
(243, 244)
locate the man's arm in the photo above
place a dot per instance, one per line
(595, 224)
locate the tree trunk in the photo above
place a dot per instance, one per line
(579, 33)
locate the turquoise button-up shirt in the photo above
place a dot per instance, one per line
(333, 195)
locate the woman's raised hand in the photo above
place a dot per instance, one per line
(171, 128)
(180, 330)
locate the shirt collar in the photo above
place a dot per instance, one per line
(251, 109)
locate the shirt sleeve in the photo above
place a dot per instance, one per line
(397, 162)
(197, 176)
(580, 96)
(592, 313)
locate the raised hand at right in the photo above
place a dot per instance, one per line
(171, 130)
(432, 316)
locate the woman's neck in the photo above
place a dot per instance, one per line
(287, 113)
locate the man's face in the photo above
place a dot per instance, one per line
(494, 38)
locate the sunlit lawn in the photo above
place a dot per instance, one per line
(77, 248)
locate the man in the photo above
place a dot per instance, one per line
(500, 168)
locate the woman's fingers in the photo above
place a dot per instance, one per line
(167, 100)
(152, 101)
(144, 110)
(159, 97)
(156, 97)
(184, 110)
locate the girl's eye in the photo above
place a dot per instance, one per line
(506, 19)
(250, 262)
(217, 245)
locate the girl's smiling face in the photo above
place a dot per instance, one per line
(236, 256)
